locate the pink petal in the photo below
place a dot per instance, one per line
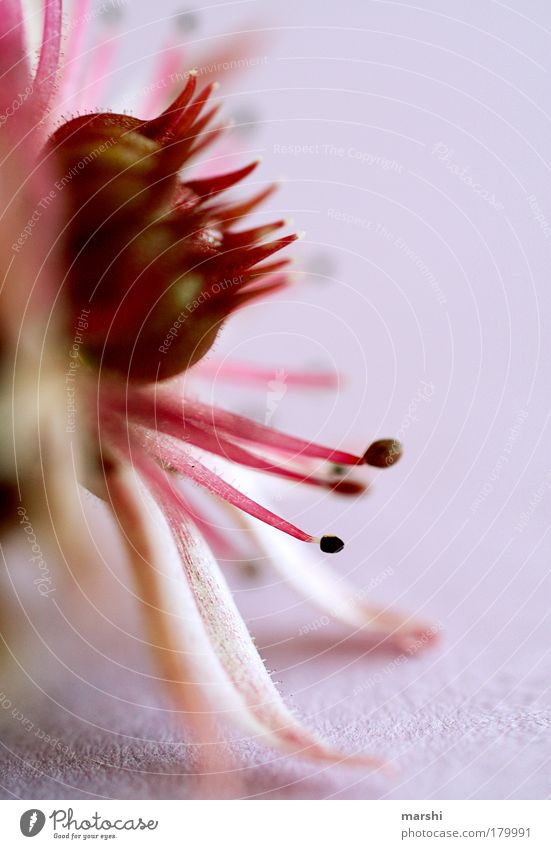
(205, 140)
(14, 68)
(177, 637)
(182, 121)
(223, 544)
(170, 452)
(100, 63)
(169, 67)
(165, 122)
(246, 373)
(216, 63)
(209, 186)
(237, 211)
(73, 59)
(242, 299)
(45, 77)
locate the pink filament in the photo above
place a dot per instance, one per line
(163, 407)
(168, 451)
(249, 373)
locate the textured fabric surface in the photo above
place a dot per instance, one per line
(468, 718)
(469, 738)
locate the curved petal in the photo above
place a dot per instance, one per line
(44, 83)
(178, 640)
(263, 707)
(14, 67)
(72, 58)
(99, 73)
(314, 579)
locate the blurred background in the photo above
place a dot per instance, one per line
(412, 141)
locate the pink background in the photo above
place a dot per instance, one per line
(458, 532)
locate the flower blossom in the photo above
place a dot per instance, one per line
(111, 233)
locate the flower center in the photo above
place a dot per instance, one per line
(137, 249)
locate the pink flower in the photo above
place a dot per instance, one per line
(145, 264)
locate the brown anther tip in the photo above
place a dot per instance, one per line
(331, 544)
(383, 453)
